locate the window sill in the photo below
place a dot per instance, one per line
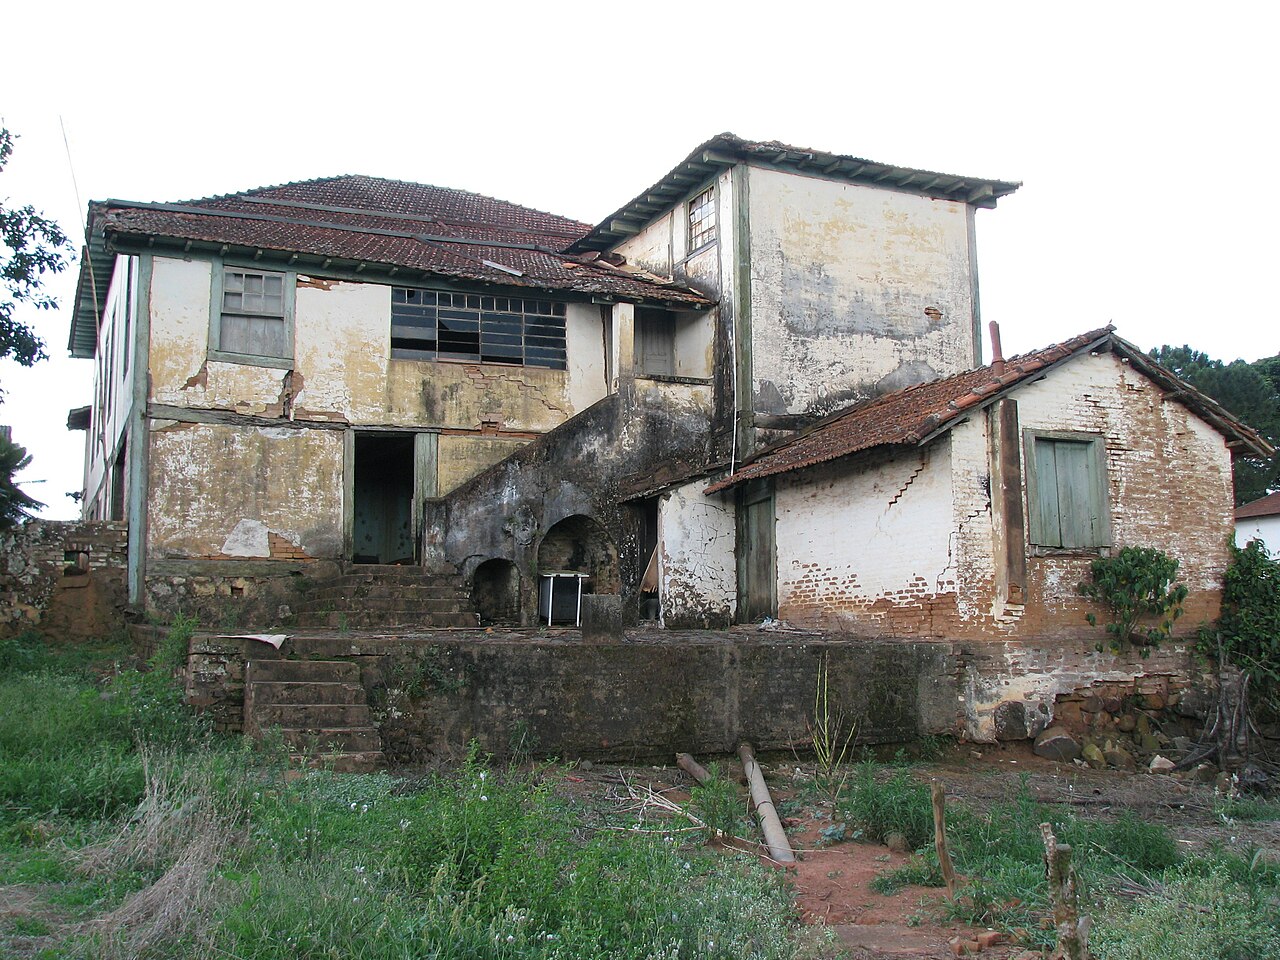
(280, 363)
(700, 250)
(478, 363)
(667, 378)
(1088, 552)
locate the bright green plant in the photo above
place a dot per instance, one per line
(717, 804)
(1137, 587)
(171, 652)
(832, 738)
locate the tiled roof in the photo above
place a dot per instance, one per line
(1268, 506)
(915, 414)
(447, 233)
(726, 150)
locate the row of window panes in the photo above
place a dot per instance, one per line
(702, 218)
(257, 294)
(430, 325)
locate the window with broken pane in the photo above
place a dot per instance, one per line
(702, 218)
(254, 318)
(442, 325)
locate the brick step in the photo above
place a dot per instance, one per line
(355, 761)
(321, 740)
(309, 715)
(385, 620)
(383, 590)
(306, 692)
(389, 604)
(302, 671)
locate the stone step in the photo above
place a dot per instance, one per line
(302, 671)
(352, 604)
(356, 761)
(322, 740)
(406, 575)
(306, 691)
(309, 715)
(382, 591)
(415, 619)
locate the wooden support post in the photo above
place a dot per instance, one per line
(940, 837)
(1072, 929)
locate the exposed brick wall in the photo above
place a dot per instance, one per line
(905, 543)
(43, 559)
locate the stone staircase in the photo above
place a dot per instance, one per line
(318, 707)
(376, 597)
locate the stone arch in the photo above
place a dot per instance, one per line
(580, 544)
(495, 592)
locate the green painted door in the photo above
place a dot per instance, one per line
(757, 553)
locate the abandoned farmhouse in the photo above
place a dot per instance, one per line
(361, 411)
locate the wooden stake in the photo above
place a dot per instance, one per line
(940, 837)
(1072, 929)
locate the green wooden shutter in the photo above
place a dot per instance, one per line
(1046, 528)
(1076, 513)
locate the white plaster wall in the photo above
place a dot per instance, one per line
(842, 276)
(651, 247)
(1266, 529)
(112, 385)
(696, 534)
(853, 537)
(694, 343)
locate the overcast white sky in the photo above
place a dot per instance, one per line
(1144, 134)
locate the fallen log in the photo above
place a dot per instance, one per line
(692, 767)
(775, 837)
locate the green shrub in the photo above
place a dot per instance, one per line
(1136, 585)
(898, 805)
(717, 804)
(1249, 627)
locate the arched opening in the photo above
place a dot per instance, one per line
(495, 592)
(579, 544)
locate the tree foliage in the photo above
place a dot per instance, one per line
(1136, 585)
(15, 506)
(1249, 390)
(1249, 627)
(31, 248)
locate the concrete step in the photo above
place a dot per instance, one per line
(332, 740)
(306, 691)
(407, 576)
(302, 671)
(310, 715)
(357, 761)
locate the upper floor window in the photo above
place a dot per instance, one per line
(436, 325)
(702, 218)
(253, 320)
(1067, 499)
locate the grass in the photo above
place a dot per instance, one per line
(116, 807)
(1231, 901)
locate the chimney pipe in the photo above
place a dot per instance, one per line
(997, 357)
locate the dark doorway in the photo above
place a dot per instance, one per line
(757, 553)
(382, 520)
(579, 544)
(495, 591)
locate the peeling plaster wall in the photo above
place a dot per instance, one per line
(462, 458)
(866, 547)
(855, 291)
(696, 536)
(651, 248)
(212, 486)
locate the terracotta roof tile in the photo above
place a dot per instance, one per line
(449, 233)
(1268, 506)
(908, 416)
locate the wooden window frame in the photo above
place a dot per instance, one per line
(289, 279)
(699, 235)
(535, 335)
(1099, 493)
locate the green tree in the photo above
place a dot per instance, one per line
(31, 248)
(15, 506)
(1249, 390)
